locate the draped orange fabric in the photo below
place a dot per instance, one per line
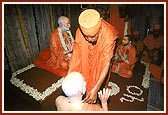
(118, 22)
(115, 20)
(50, 58)
(152, 43)
(126, 66)
(90, 59)
(156, 71)
(56, 50)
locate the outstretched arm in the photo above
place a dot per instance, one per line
(92, 96)
(104, 95)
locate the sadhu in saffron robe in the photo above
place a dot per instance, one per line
(90, 59)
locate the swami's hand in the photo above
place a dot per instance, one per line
(91, 97)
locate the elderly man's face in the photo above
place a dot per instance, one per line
(66, 25)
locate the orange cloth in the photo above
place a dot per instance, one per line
(125, 69)
(156, 71)
(152, 44)
(51, 58)
(90, 59)
(56, 50)
(115, 20)
(40, 62)
(118, 22)
(57, 59)
(57, 71)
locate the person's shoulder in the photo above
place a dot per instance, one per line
(54, 31)
(60, 98)
(109, 28)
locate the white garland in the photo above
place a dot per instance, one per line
(133, 93)
(115, 89)
(132, 98)
(30, 90)
(62, 39)
(117, 68)
(22, 70)
(146, 76)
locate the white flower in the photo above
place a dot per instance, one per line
(30, 90)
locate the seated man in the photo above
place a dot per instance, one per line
(124, 58)
(154, 47)
(74, 88)
(61, 42)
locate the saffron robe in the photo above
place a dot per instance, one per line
(157, 71)
(153, 45)
(90, 59)
(118, 22)
(50, 58)
(124, 61)
(56, 50)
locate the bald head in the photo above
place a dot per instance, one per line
(72, 84)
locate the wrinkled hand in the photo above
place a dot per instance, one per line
(104, 95)
(91, 97)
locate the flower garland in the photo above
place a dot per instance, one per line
(62, 39)
(30, 90)
(132, 98)
(146, 76)
(138, 94)
(117, 68)
(115, 89)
